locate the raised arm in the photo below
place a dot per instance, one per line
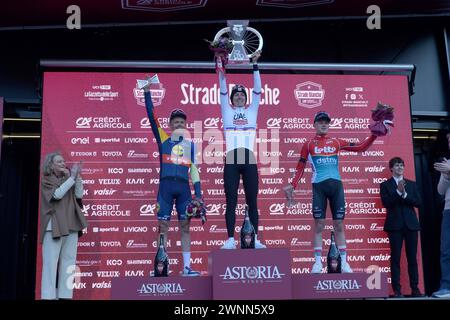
(158, 132)
(363, 146)
(256, 95)
(224, 100)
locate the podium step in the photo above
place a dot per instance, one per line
(251, 274)
(162, 288)
(339, 286)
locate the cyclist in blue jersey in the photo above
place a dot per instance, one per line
(177, 162)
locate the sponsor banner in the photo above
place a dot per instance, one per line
(342, 285)
(170, 288)
(105, 124)
(258, 274)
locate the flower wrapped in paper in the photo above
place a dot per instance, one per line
(383, 115)
(221, 48)
(196, 209)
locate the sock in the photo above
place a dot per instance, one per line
(187, 259)
(318, 254)
(343, 253)
(256, 237)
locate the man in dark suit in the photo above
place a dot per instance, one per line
(400, 196)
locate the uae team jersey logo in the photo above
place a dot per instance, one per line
(309, 94)
(240, 119)
(157, 91)
(162, 5)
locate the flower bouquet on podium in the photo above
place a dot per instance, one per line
(383, 115)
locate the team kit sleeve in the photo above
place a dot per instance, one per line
(224, 100)
(256, 94)
(158, 132)
(363, 146)
(299, 170)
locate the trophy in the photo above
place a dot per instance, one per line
(143, 83)
(235, 44)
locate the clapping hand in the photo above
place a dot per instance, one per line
(289, 193)
(442, 166)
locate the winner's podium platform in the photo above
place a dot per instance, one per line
(251, 274)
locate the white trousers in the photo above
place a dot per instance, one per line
(64, 251)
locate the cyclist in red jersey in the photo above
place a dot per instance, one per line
(322, 152)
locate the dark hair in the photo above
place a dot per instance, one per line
(177, 113)
(394, 161)
(238, 88)
(322, 115)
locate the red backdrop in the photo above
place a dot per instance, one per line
(100, 118)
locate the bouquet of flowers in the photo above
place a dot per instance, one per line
(196, 209)
(221, 48)
(383, 115)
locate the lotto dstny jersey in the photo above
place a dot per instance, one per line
(323, 154)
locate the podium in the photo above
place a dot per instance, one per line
(161, 288)
(339, 286)
(251, 274)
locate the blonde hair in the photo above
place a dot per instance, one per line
(48, 161)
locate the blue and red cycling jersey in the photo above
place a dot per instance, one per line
(322, 152)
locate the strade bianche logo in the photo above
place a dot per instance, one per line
(162, 5)
(341, 285)
(157, 91)
(161, 289)
(251, 274)
(309, 94)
